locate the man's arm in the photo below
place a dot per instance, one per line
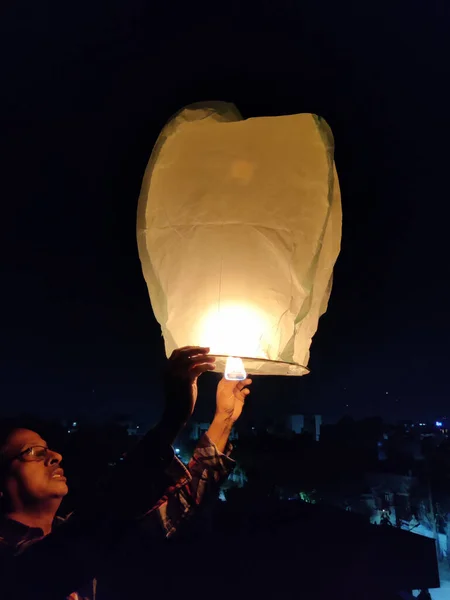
(147, 471)
(209, 465)
(230, 399)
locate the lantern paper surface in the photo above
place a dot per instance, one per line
(239, 227)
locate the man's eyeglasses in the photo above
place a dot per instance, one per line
(33, 453)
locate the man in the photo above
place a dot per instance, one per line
(151, 491)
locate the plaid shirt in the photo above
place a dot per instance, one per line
(189, 487)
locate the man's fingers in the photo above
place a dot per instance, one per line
(190, 362)
(183, 355)
(232, 385)
(197, 370)
(202, 357)
(242, 384)
(189, 351)
(243, 395)
(187, 359)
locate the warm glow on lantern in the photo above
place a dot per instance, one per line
(239, 228)
(234, 330)
(234, 369)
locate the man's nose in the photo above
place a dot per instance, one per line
(55, 457)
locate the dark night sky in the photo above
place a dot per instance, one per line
(86, 89)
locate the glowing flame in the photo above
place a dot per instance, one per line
(235, 330)
(234, 369)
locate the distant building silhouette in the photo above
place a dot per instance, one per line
(198, 429)
(305, 424)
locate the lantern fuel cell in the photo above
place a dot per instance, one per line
(234, 369)
(239, 228)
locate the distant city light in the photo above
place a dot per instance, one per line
(177, 451)
(438, 423)
(74, 424)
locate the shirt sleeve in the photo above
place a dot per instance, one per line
(193, 485)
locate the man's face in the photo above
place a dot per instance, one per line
(33, 476)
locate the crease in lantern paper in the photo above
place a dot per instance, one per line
(315, 261)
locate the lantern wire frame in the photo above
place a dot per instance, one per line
(256, 366)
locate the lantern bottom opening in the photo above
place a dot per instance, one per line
(261, 366)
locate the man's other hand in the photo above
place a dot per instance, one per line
(183, 370)
(230, 398)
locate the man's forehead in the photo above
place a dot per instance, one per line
(24, 437)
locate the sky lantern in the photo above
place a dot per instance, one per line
(239, 227)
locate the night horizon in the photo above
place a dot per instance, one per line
(78, 135)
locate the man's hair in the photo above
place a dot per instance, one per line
(7, 426)
(6, 429)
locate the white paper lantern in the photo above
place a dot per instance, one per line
(239, 227)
